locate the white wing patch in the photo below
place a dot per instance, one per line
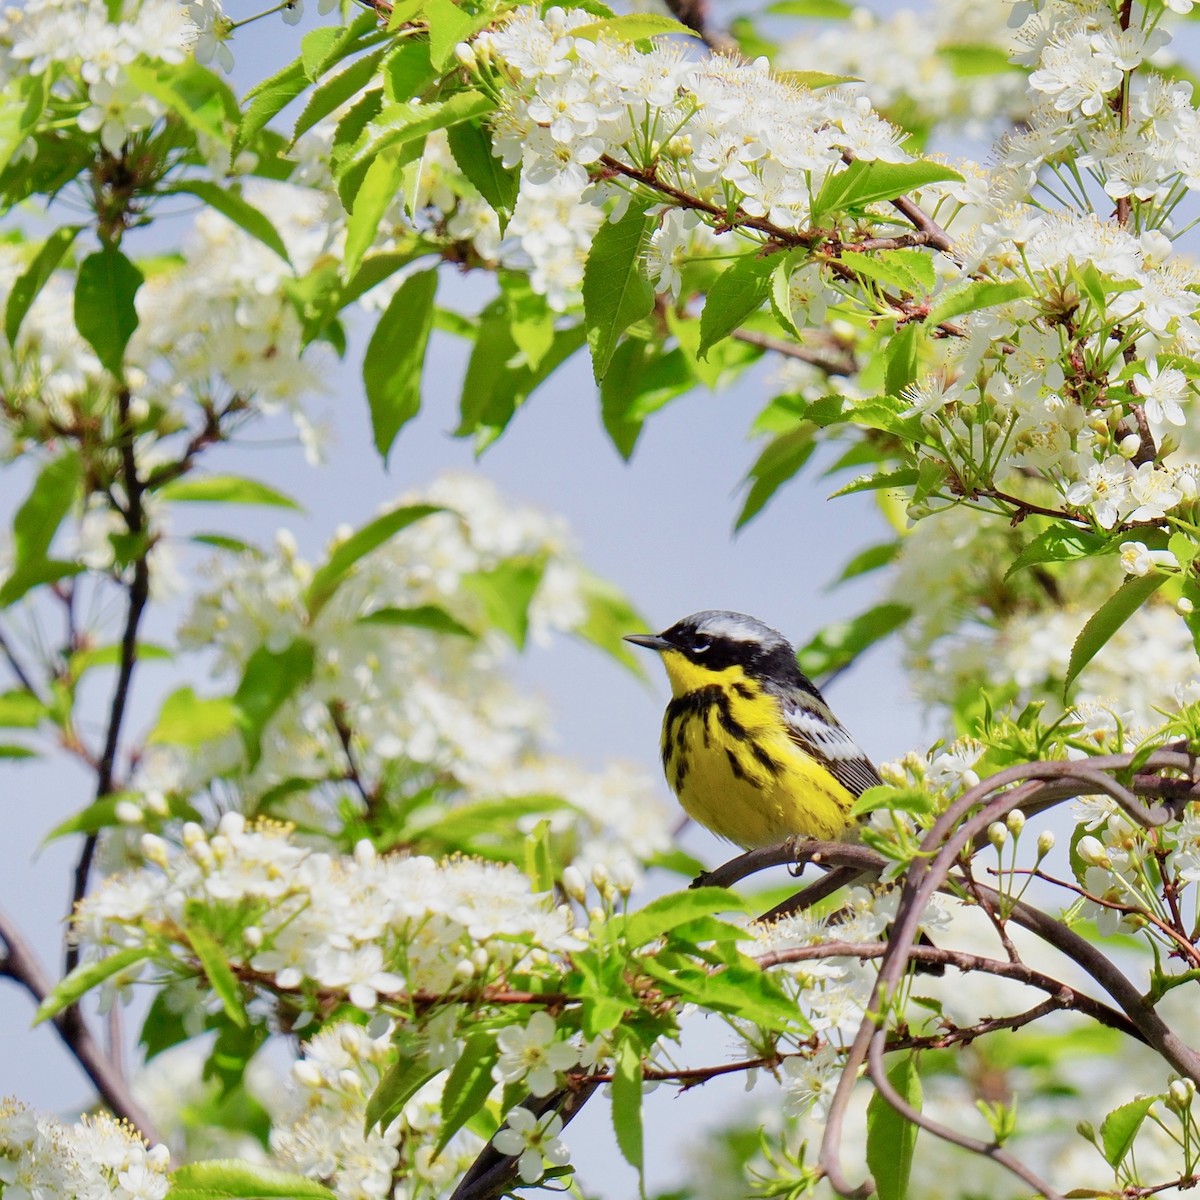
(821, 735)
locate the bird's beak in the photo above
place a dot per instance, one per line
(651, 641)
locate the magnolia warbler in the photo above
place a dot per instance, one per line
(749, 745)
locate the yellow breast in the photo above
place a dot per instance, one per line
(729, 759)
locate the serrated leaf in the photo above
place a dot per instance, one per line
(361, 32)
(334, 92)
(1107, 619)
(268, 681)
(973, 296)
(871, 559)
(198, 96)
(223, 489)
(814, 80)
(220, 977)
(903, 477)
(609, 617)
(400, 1083)
(236, 208)
(616, 290)
(448, 25)
(236, 1179)
(374, 197)
(395, 358)
(665, 913)
(641, 379)
(105, 313)
(36, 522)
(314, 46)
(361, 542)
(901, 357)
(471, 147)
(506, 591)
(29, 283)
(270, 97)
(540, 865)
(186, 719)
(85, 977)
(735, 294)
(467, 1085)
(1060, 543)
(627, 1106)
(891, 1138)
(864, 182)
(1120, 1128)
(634, 27)
(419, 616)
(776, 464)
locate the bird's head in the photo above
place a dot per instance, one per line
(716, 644)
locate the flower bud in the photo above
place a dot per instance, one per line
(1180, 1093)
(305, 1074)
(350, 1081)
(154, 850)
(1015, 822)
(624, 876)
(158, 1157)
(574, 884)
(129, 813)
(997, 833)
(1092, 852)
(465, 971)
(1045, 842)
(252, 936)
(600, 878)
(232, 824)
(466, 56)
(1129, 445)
(156, 803)
(1184, 607)
(364, 853)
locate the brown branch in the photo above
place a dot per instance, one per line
(843, 366)
(19, 964)
(23, 677)
(139, 592)
(694, 14)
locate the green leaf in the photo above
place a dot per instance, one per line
(627, 1106)
(85, 977)
(1108, 618)
(448, 25)
(616, 291)
(890, 1138)
(188, 720)
(361, 542)
(839, 644)
(395, 358)
(973, 296)
(634, 27)
(12, 752)
(271, 97)
(198, 96)
(471, 146)
(400, 1083)
(236, 208)
(640, 381)
(408, 71)
(609, 618)
(21, 710)
(105, 314)
(902, 478)
(776, 464)
(467, 1085)
(814, 80)
(1060, 543)
(901, 357)
(871, 559)
(831, 10)
(1120, 1128)
(676, 908)
(908, 271)
(100, 815)
(864, 182)
(26, 288)
(36, 522)
(334, 92)
(891, 799)
(735, 294)
(220, 977)
(506, 592)
(235, 1179)
(31, 575)
(419, 616)
(267, 683)
(223, 489)
(334, 43)
(540, 865)
(374, 197)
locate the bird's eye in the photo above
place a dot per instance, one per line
(700, 644)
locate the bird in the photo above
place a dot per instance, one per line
(749, 745)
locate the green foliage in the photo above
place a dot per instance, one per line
(892, 1138)
(27, 287)
(81, 980)
(1108, 618)
(51, 498)
(104, 305)
(616, 291)
(505, 593)
(235, 1179)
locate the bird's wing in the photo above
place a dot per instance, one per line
(814, 728)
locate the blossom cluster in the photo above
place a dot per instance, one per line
(582, 117)
(360, 925)
(97, 1157)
